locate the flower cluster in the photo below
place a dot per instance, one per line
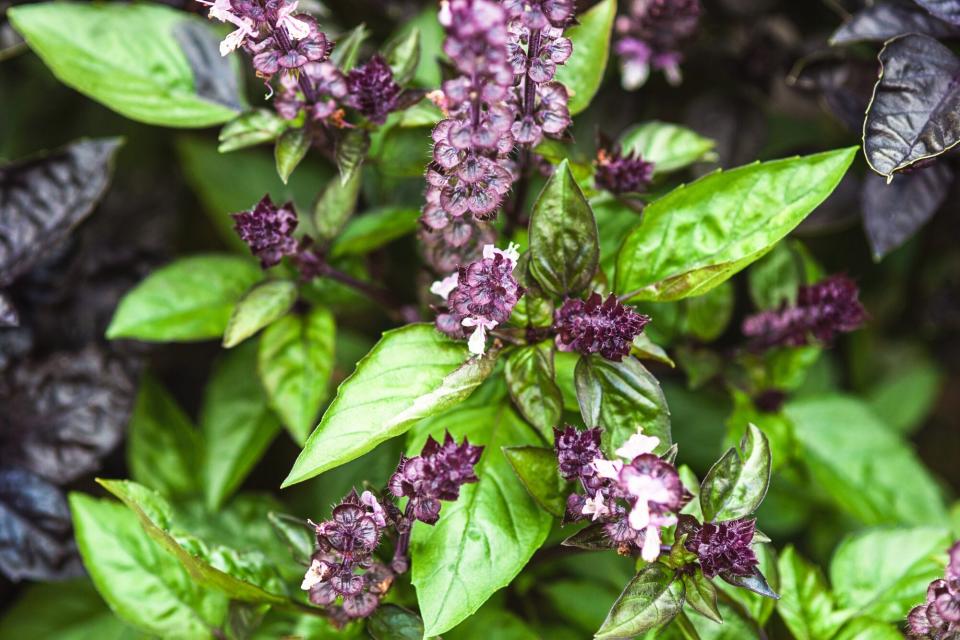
(460, 241)
(372, 91)
(634, 495)
(722, 548)
(939, 617)
(651, 36)
(343, 569)
(480, 296)
(268, 231)
(822, 311)
(471, 172)
(436, 474)
(536, 47)
(597, 326)
(619, 174)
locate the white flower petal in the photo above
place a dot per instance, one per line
(609, 469)
(638, 444)
(651, 544)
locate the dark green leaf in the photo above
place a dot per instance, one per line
(290, 149)
(483, 540)
(298, 536)
(352, 147)
(652, 599)
(412, 373)
(236, 423)
(164, 449)
(702, 595)
(190, 299)
(736, 485)
(645, 349)
(537, 469)
(264, 303)
(529, 374)
(251, 128)
(63, 610)
(564, 245)
(295, 363)
(592, 537)
(338, 201)
(699, 235)
(668, 146)
(806, 604)
(374, 229)
(621, 396)
(775, 279)
(142, 583)
(865, 467)
(148, 70)
(708, 315)
(910, 117)
(582, 73)
(403, 55)
(755, 582)
(391, 622)
(347, 51)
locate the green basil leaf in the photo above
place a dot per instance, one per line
(236, 423)
(296, 535)
(163, 448)
(295, 363)
(652, 599)
(264, 303)
(392, 622)
(736, 485)
(867, 469)
(699, 235)
(481, 542)
(882, 573)
(412, 373)
(247, 577)
(251, 128)
(564, 244)
(290, 149)
(645, 349)
(190, 299)
(70, 610)
(403, 55)
(775, 279)
(621, 396)
(582, 73)
(806, 604)
(668, 146)
(908, 394)
(702, 595)
(537, 469)
(529, 374)
(374, 229)
(758, 595)
(143, 584)
(339, 199)
(864, 628)
(347, 51)
(155, 67)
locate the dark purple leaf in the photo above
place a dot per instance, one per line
(893, 212)
(837, 212)
(8, 313)
(755, 582)
(593, 537)
(844, 84)
(214, 78)
(948, 10)
(35, 538)
(61, 414)
(737, 126)
(43, 198)
(915, 111)
(883, 21)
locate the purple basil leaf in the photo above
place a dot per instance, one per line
(62, 413)
(837, 212)
(883, 21)
(593, 537)
(948, 10)
(8, 313)
(913, 115)
(35, 538)
(44, 198)
(754, 582)
(214, 78)
(893, 212)
(845, 84)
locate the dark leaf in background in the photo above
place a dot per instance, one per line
(737, 126)
(915, 112)
(884, 21)
(62, 413)
(844, 84)
(837, 212)
(391, 622)
(893, 213)
(948, 10)
(35, 538)
(42, 199)
(8, 313)
(213, 76)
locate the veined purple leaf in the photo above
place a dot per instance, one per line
(948, 10)
(914, 112)
(884, 21)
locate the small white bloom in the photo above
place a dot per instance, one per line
(478, 339)
(443, 287)
(379, 515)
(233, 41)
(297, 29)
(637, 445)
(316, 574)
(609, 469)
(511, 253)
(651, 544)
(595, 506)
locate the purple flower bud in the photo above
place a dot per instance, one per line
(372, 90)
(268, 231)
(651, 36)
(618, 173)
(540, 14)
(328, 85)
(595, 326)
(724, 547)
(821, 312)
(436, 474)
(939, 617)
(576, 451)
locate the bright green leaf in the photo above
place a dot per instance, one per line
(701, 595)
(337, 202)
(403, 55)
(806, 604)
(537, 469)
(529, 374)
(582, 73)
(290, 149)
(347, 51)
(374, 229)
(251, 128)
(264, 303)
(668, 146)
(190, 299)
(652, 599)
(736, 485)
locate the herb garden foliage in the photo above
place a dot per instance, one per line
(500, 451)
